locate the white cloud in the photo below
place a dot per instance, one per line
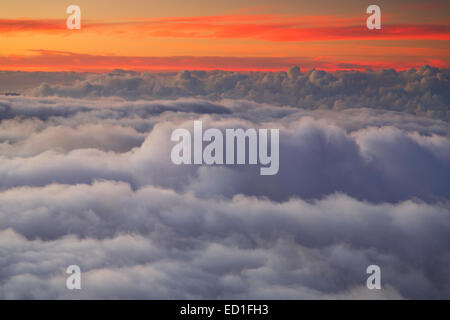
(90, 182)
(424, 91)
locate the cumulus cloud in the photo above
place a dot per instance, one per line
(90, 182)
(199, 248)
(130, 141)
(424, 91)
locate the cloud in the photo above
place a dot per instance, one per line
(189, 247)
(31, 25)
(293, 32)
(321, 152)
(55, 61)
(423, 91)
(273, 28)
(102, 137)
(89, 181)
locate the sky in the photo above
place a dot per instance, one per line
(86, 176)
(229, 35)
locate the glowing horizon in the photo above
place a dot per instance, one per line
(268, 37)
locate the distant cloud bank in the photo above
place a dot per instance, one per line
(423, 91)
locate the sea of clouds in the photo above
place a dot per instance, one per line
(422, 91)
(86, 178)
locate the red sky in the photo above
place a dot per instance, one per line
(232, 35)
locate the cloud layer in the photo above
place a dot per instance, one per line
(424, 91)
(90, 182)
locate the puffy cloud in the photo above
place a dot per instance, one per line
(424, 91)
(202, 248)
(103, 137)
(320, 152)
(90, 182)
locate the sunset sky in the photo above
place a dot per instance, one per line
(359, 150)
(230, 35)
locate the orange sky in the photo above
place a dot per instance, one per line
(229, 35)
